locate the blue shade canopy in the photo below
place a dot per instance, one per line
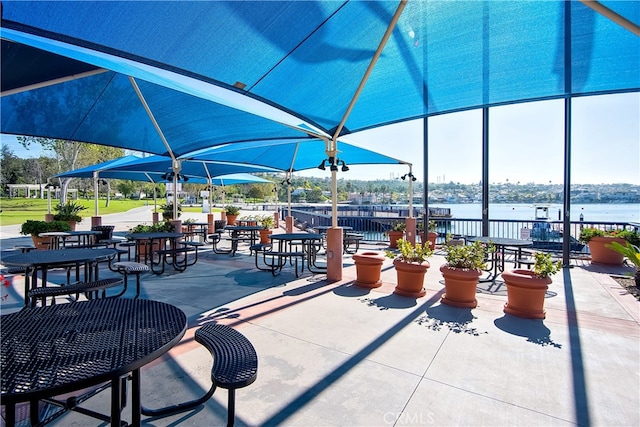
(108, 170)
(104, 171)
(196, 168)
(304, 58)
(295, 155)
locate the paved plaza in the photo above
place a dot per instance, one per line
(332, 354)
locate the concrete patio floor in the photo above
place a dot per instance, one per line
(332, 354)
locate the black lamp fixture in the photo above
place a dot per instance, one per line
(333, 163)
(103, 181)
(50, 185)
(285, 181)
(169, 177)
(408, 175)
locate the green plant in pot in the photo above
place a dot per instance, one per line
(167, 211)
(33, 228)
(267, 223)
(526, 289)
(69, 212)
(598, 241)
(431, 234)
(396, 233)
(411, 266)
(232, 213)
(462, 273)
(632, 252)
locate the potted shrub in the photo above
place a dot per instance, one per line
(69, 212)
(632, 252)
(167, 211)
(598, 240)
(462, 273)
(411, 266)
(431, 235)
(267, 222)
(232, 213)
(142, 245)
(368, 269)
(526, 289)
(396, 233)
(34, 228)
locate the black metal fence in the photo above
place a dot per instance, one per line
(547, 235)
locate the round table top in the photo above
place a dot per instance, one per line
(502, 241)
(154, 235)
(60, 348)
(296, 236)
(244, 227)
(58, 256)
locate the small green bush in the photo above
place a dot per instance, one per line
(411, 253)
(33, 227)
(159, 227)
(544, 265)
(471, 256)
(232, 210)
(630, 236)
(70, 211)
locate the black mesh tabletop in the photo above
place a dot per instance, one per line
(55, 257)
(65, 347)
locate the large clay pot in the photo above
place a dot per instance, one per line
(460, 286)
(41, 242)
(231, 219)
(410, 278)
(368, 269)
(264, 236)
(430, 237)
(72, 224)
(394, 236)
(601, 254)
(525, 293)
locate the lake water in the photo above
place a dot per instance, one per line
(628, 212)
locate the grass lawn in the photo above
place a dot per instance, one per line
(18, 209)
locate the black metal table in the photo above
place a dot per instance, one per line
(310, 242)
(48, 351)
(148, 243)
(501, 243)
(43, 260)
(246, 233)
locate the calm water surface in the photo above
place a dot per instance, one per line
(629, 212)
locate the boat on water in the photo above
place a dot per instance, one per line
(546, 234)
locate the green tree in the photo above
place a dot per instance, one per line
(126, 187)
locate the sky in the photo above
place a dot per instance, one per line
(526, 144)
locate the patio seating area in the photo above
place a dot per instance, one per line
(330, 353)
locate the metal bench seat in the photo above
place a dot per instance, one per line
(235, 365)
(90, 289)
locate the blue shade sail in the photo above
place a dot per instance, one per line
(109, 170)
(295, 155)
(306, 60)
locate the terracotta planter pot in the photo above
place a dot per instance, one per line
(42, 243)
(394, 236)
(264, 236)
(460, 286)
(231, 219)
(603, 255)
(431, 238)
(72, 224)
(368, 269)
(144, 246)
(525, 293)
(410, 278)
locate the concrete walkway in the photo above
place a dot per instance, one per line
(331, 354)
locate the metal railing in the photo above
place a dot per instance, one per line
(546, 234)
